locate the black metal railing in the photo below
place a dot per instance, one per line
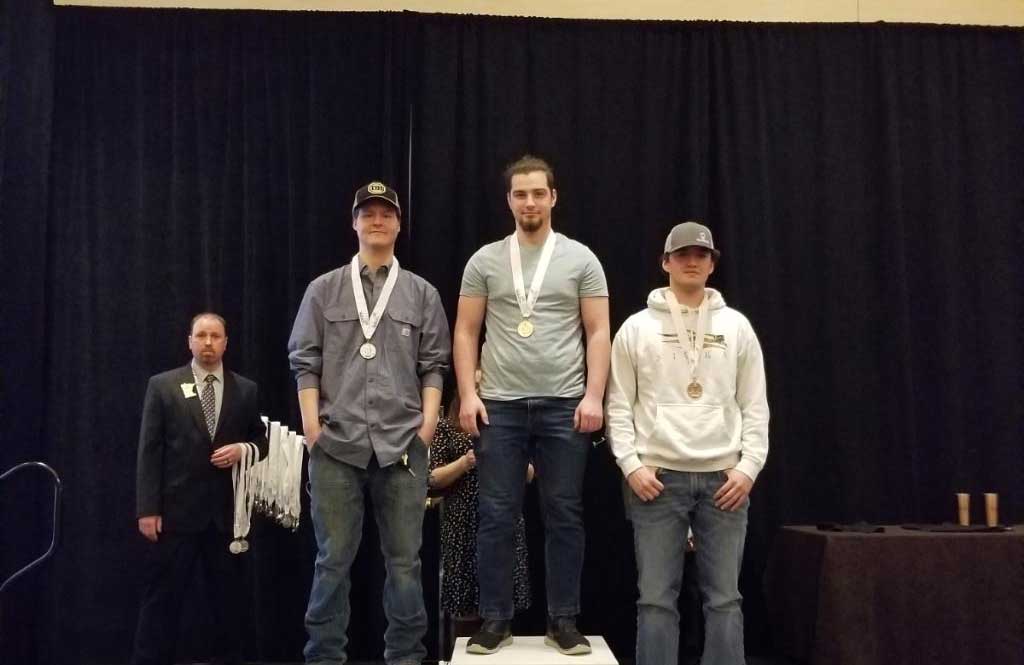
(56, 518)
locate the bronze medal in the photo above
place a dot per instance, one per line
(694, 390)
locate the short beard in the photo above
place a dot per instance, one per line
(531, 226)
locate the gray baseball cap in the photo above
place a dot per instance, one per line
(690, 234)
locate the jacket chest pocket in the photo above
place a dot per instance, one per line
(406, 326)
(341, 329)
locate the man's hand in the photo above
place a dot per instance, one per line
(226, 456)
(311, 436)
(471, 409)
(732, 495)
(645, 484)
(426, 432)
(151, 527)
(589, 415)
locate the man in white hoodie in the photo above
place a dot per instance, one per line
(688, 422)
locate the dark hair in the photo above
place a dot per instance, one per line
(452, 411)
(528, 164)
(212, 315)
(715, 255)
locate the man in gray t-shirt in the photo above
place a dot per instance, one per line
(537, 293)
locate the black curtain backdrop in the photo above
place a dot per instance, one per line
(864, 185)
(863, 182)
(26, 128)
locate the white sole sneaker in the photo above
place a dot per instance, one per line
(481, 650)
(577, 650)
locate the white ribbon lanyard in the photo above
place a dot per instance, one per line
(370, 320)
(527, 301)
(243, 498)
(693, 348)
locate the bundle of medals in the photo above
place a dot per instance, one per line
(273, 483)
(243, 500)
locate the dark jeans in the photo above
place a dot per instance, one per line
(398, 494)
(169, 566)
(538, 429)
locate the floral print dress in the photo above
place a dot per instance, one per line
(460, 591)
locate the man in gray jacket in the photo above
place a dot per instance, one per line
(369, 349)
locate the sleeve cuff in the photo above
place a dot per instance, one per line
(432, 380)
(308, 380)
(629, 464)
(749, 468)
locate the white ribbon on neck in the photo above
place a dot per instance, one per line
(369, 321)
(693, 347)
(527, 301)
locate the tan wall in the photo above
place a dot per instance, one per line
(978, 12)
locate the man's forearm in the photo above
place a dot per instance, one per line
(599, 353)
(466, 354)
(309, 407)
(431, 399)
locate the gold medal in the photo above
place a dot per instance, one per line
(694, 390)
(525, 328)
(368, 351)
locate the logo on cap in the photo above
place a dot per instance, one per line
(702, 237)
(376, 188)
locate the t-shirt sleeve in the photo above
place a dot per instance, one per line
(593, 283)
(474, 283)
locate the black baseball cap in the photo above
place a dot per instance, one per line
(376, 190)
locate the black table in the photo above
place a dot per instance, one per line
(899, 597)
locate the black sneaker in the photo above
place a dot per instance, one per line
(493, 635)
(562, 635)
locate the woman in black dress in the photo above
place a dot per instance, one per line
(453, 466)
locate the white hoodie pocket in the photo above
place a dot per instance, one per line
(694, 427)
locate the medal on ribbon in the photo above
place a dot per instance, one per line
(528, 300)
(690, 341)
(369, 321)
(243, 498)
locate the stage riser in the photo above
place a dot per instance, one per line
(531, 650)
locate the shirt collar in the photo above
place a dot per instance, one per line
(364, 269)
(201, 373)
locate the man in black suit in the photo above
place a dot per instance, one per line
(194, 421)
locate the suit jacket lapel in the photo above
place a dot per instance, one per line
(227, 401)
(194, 406)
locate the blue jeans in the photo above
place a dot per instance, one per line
(659, 534)
(538, 430)
(337, 505)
